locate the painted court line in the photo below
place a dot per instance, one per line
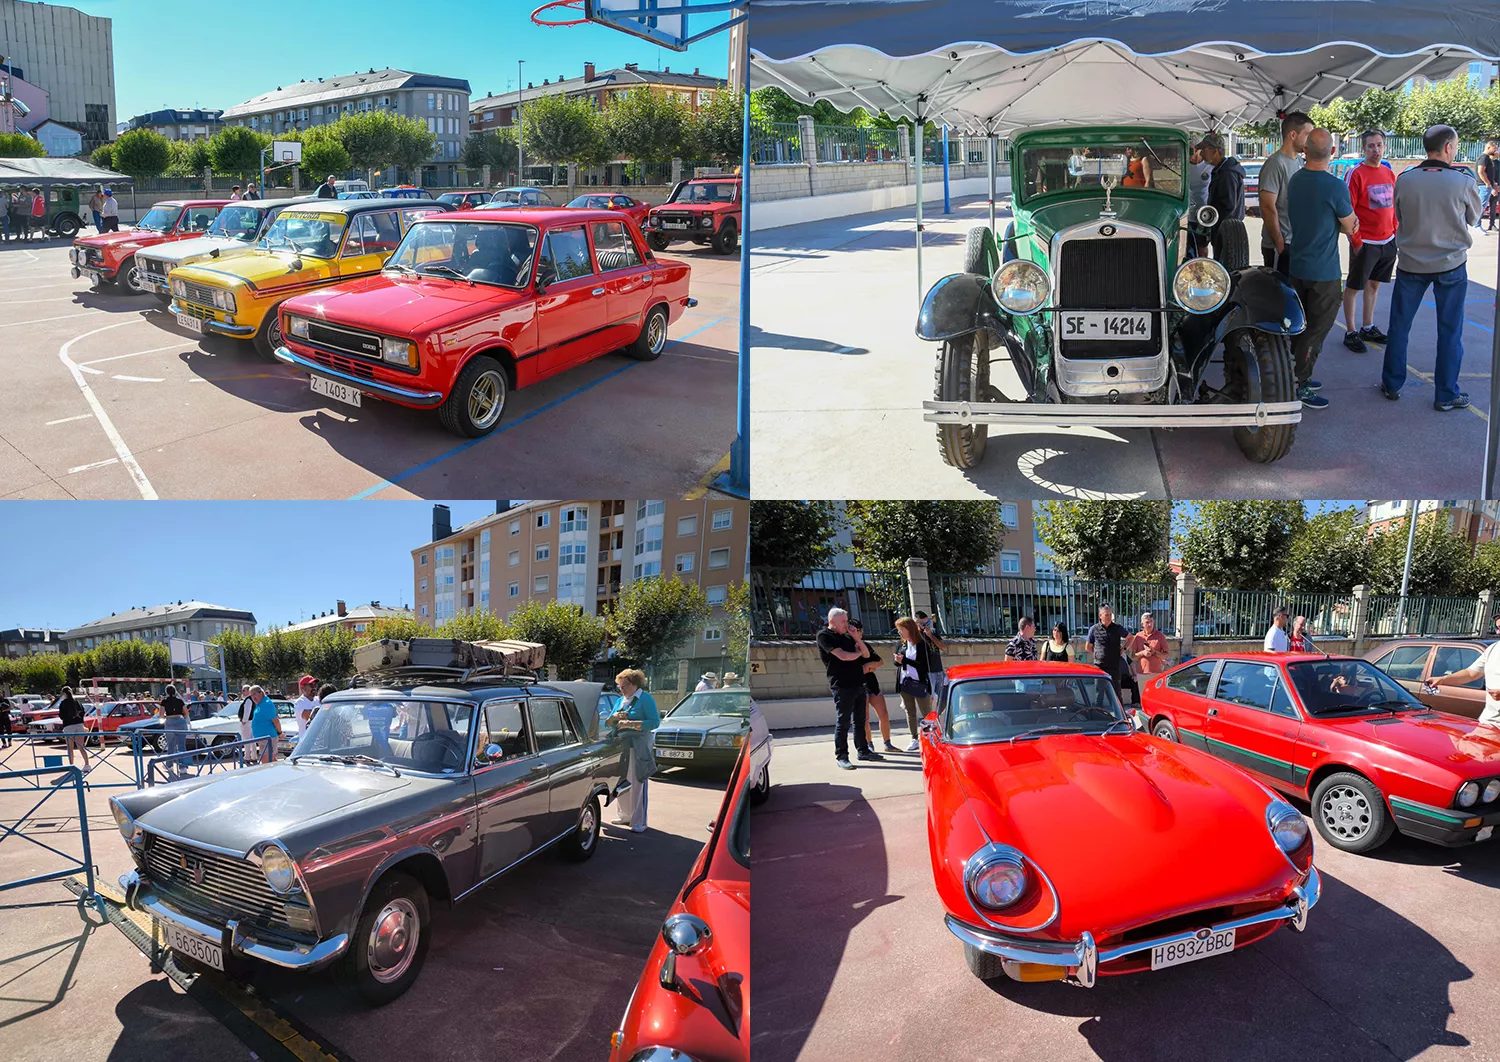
(137, 474)
(69, 420)
(138, 379)
(96, 464)
(138, 353)
(44, 320)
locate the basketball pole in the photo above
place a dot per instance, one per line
(739, 454)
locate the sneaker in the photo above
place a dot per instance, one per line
(1311, 399)
(915, 746)
(1313, 385)
(1389, 394)
(1373, 334)
(891, 748)
(1461, 401)
(1355, 343)
(845, 764)
(872, 756)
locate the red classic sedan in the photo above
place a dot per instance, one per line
(109, 257)
(1067, 844)
(1343, 735)
(693, 998)
(473, 306)
(634, 208)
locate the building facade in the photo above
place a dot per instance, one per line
(582, 553)
(696, 90)
(442, 103)
(71, 56)
(1477, 521)
(356, 620)
(192, 124)
(195, 620)
(27, 641)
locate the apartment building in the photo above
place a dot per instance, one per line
(1477, 521)
(581, 553)
(192, 124)
(1021, 552)
(356, 619)
(70, 56)
(195, 620)
(695, 90)
(26, 641)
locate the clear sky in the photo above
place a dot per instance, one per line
(173, 53)
(63, 564)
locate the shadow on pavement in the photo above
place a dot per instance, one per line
(1479, 863)
(53, 962)
(759, 337)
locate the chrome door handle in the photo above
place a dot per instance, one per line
(598, 291)
(1213, 711)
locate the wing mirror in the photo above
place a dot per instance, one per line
(684, 934)
(492, 753)
(1138, 717)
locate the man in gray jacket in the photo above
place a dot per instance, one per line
(1436, 207)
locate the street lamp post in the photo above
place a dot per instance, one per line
(520, 133)
(1411, 538)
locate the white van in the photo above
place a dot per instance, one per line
(351, 186)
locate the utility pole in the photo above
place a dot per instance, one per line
(1411, 538)
(520, 135)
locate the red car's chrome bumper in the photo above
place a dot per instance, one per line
(1083, 957)
(405, 395)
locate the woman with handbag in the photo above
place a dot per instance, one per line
(913, 678)
(634, 721)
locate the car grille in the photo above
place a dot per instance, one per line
(199, 293)
(203, 313)
(363, 344)
(354, 366)
(679, 739)
(231, 887)
(1109, 273)
(675, 215)
(154, 266)
(1210, 916)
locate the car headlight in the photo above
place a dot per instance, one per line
(1492, 791)
(1021, 287)
(296, 326)
(996, 877)
(224, 300)
(128, 828)
(660, 1054)
(1468, 794)
(1287, 825)
(654, 222)
(280, 871)
(1206, 216)
(725, 740)
(1201, 285)
(706, 223)
(179, 288)
(401, 352)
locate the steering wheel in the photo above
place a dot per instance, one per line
(1086, 713)
(453, 746)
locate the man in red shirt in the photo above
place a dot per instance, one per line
(1372, 246)
(38, 216)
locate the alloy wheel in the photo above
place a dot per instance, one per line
(1346, 813)
(657, 334)
(393, 940)
(487, 399)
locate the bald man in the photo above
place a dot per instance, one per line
(1319, 209)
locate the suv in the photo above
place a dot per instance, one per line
(109, 258)
(233, 233)
(417, 788)
(1089, 296)
(705, 210)
(1412, 661)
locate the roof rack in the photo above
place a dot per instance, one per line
(495, 674)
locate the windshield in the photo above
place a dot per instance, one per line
(707, 192)
(713, 702)
(1338, 687)
(315, 234)
(592, 202)
(237, 222)
(1123, 162)
(506, 195)
(997, 709)
(159, 219)
(229, 711)
(427, 736)
(472, 251)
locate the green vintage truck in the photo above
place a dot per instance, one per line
(1090, 297)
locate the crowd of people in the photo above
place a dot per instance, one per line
(25, 214)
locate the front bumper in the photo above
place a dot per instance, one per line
(215, 326)
(703, 758)
(405, 395)
(1089, 415)
(1082, 957)
(1442, 826)
(140, 897)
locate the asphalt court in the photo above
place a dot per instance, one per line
(109, 399)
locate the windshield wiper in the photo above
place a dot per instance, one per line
(400, 267)
(1038, 731)
(1126, 723)
(449, 270)
(357, 759)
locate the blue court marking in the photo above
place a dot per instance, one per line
(1468, 320)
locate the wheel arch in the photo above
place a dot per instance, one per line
(416, 861)
(1323, 770)
(500, 353)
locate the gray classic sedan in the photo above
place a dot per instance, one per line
(418, 789)
(704, 731)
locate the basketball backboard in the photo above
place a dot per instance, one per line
(188, 653)
(673, 24)
(286, 151)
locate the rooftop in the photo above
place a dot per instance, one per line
(173, 116)
(628, 76)
(358, 614)
(149, 615)
(345, 86)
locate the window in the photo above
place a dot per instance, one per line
(575, 520)
(685, 561)
(513, 559)
(1405, 663)
(1009, 515)
(723, 519)
(424, 611)
(1247, 684)
(544, 519)
(515, 527)
(613, 248)
(570, 553)
(514, 589)
(453, 102)
(716, 595)
(713, 634)
(565, 256)
(441, 102)
(1193, 678)
(549, 725)
(687, 525)
(544, 551)
(647, 539)
(647, 569)
(1451, 658)
(431, 101)
(376, 233)
(718, 558)
(489, 116)
(422, 557)
(1010, 562)
(503, 735)
(424, 586)
(541, 584)
(565, 585)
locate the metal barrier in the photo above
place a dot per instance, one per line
(1247, 614)
(194, 763)
(991, 606)
(70, 777)
(50, 750)
(794, 603)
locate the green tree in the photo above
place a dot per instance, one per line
(42, 673)
(573, 638)
(397, 628)
(142, 153)
(322, 153)
(1483, 572)
(644, 126)
(415, 145)
(793, 534)
(1375, 109)
(477, 626)
(20, 146)
(1330, 554)
(1337, 116)
(1440, 559)
(239, 653)
(558, 130)
(1106, 540)
(951, 536)
(328, 654)
(189, 158)
(716, 132)
(656, 615)
(1238, 545)
(235, 151)
(1452, 102)
(737, 621)
(104, 156)
(370, 137)
(278, 656)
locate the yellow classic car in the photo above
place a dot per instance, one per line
(307, 248)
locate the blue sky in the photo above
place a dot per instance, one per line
(66, 563)
(172, 53)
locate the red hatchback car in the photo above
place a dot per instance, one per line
(1342, 734)
(692, 1001)
(473, 306)
(109, 257)
(635, 209)
(1066, 844)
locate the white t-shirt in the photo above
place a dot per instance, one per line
(110, 208)
(303, 709)
(1276, 641)
(1491, 659)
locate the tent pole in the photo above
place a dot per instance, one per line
(1492, 428)
(947, 189)
(920, 290)
(989, 161)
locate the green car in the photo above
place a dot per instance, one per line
(1091, 296)
(704, 731)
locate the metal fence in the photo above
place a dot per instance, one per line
(1396, 147)
(50, 782)
(991, 606)
(1246, 614)
(794, 603)
(838, 143)
(775, 143)
(1428, 616)
(113, 765)
(224, 757)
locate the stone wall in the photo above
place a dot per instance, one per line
(795, 180)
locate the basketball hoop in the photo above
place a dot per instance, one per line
(556, 21)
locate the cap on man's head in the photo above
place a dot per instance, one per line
(1211, 140)
(308, 680)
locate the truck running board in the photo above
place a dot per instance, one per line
(1088, 415)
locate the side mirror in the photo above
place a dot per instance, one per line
(542, 280)
(492, 753)
(1142, 724)
(684, 934)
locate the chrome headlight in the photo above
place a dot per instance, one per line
(1468, 794)
(1201, 285)
(401, 352)
(1287, 825)
(706, 222)
(1021, 287)
(296, 327)
(128, 828)
(280, 871)
(1492, 791)
(995, 876)
(725, 740)
(653, 221)
(1206, 216)
(224, 300)
(179, 288)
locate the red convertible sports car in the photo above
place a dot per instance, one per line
(1066, 844)
(1341, 734)
(692, 1003)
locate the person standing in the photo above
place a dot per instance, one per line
(1226, 187)
(307, 701)
(1275, 173)
(6, 727)
(96, 203)
(1300, 641)
(1372, 246)
(109, 213)
(913, 676)
(326, 190)
(709, 681)
(1276, 640)
(264, 724)
(246, 711)
(234, 194)
(1023, 645)
(1106, 642)
(174, 724)
(1489, 176)
(70, 715)
(1436, 205)
(935, 648)
(874, 698)
(38, 215)
(843, 653)
(324, 691)
(1057, 648)
(635, 721)
(1317, 205)
(1486, 668)
(1200, 171)
(1148, 648)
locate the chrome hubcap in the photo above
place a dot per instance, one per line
(656, 335)
(133, 278)
(487, 399)
(586, 826)
(1163, 731)
(393, 940)
(1346, 814)
(274, 333)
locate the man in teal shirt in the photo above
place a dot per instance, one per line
(1319, 209)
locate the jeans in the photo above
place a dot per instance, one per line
(849, 703)
(1489, 203)
(175, 729)
(916, 710)
(1448, 291)
(98, 221)
(1282, 263)
(1321, 302)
